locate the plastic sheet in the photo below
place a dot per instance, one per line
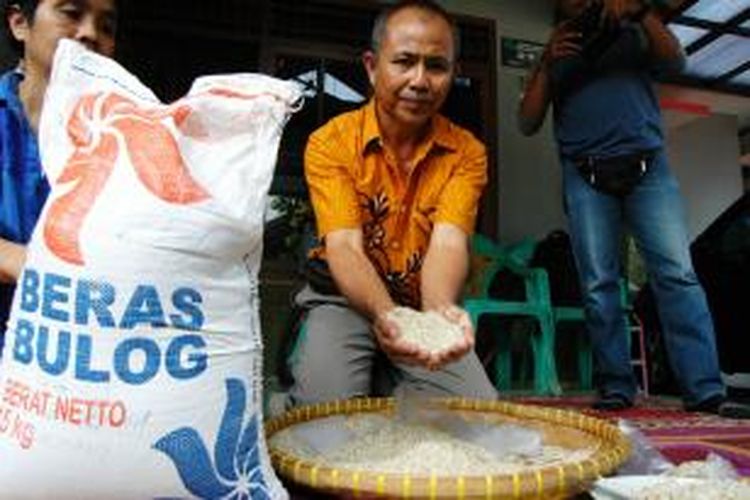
(322, 436)
(649, 475)
(645, 458)
(500, 440)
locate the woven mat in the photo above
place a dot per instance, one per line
(680, 435)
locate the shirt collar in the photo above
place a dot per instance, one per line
(441, 136)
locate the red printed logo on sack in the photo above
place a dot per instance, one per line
(100, 126)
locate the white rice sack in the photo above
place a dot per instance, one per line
(133, 363)
(429, 330)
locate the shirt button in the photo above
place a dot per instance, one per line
(395, 245)
(402, 210)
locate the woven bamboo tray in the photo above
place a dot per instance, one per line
(565, 428)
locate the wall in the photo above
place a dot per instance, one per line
(530, 201)
(704, 155)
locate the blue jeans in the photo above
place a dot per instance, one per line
(654, 215)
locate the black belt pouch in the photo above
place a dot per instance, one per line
(617, 175)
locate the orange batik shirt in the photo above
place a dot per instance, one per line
(355, 183)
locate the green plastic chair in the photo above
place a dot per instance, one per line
(536, 305)
(583, 346)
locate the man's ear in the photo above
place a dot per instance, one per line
(17, 23)
(369, 59)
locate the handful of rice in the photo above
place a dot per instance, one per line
(429, 330)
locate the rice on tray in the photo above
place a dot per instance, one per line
(381, 444)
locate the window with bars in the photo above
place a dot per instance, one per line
(316, 42)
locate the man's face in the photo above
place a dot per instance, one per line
(413, 69)
(90, 22)
(572, 8)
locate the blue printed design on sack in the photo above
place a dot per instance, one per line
(236, 473)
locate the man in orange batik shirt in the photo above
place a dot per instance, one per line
(395, 189)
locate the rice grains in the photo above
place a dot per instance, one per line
(379, 444)
(429, 330)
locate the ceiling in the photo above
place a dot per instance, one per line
(716, 38)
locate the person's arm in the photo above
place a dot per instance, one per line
(355, 275)
(337, 217)
(12, 258)
(445, 267)
(664, 47)
(446, 261)
(535, 101)
(537, 94)
(444, 272)
(360, 283)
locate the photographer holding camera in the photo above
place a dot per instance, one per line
(596, 72)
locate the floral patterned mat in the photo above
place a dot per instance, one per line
(678, 434)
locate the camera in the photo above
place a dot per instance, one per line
(588, 22)
(596, 34)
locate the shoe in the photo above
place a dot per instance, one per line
(612, 402)
(734, 409)
(709, 405)
(722, 406)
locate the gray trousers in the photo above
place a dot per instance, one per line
(338, 358)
